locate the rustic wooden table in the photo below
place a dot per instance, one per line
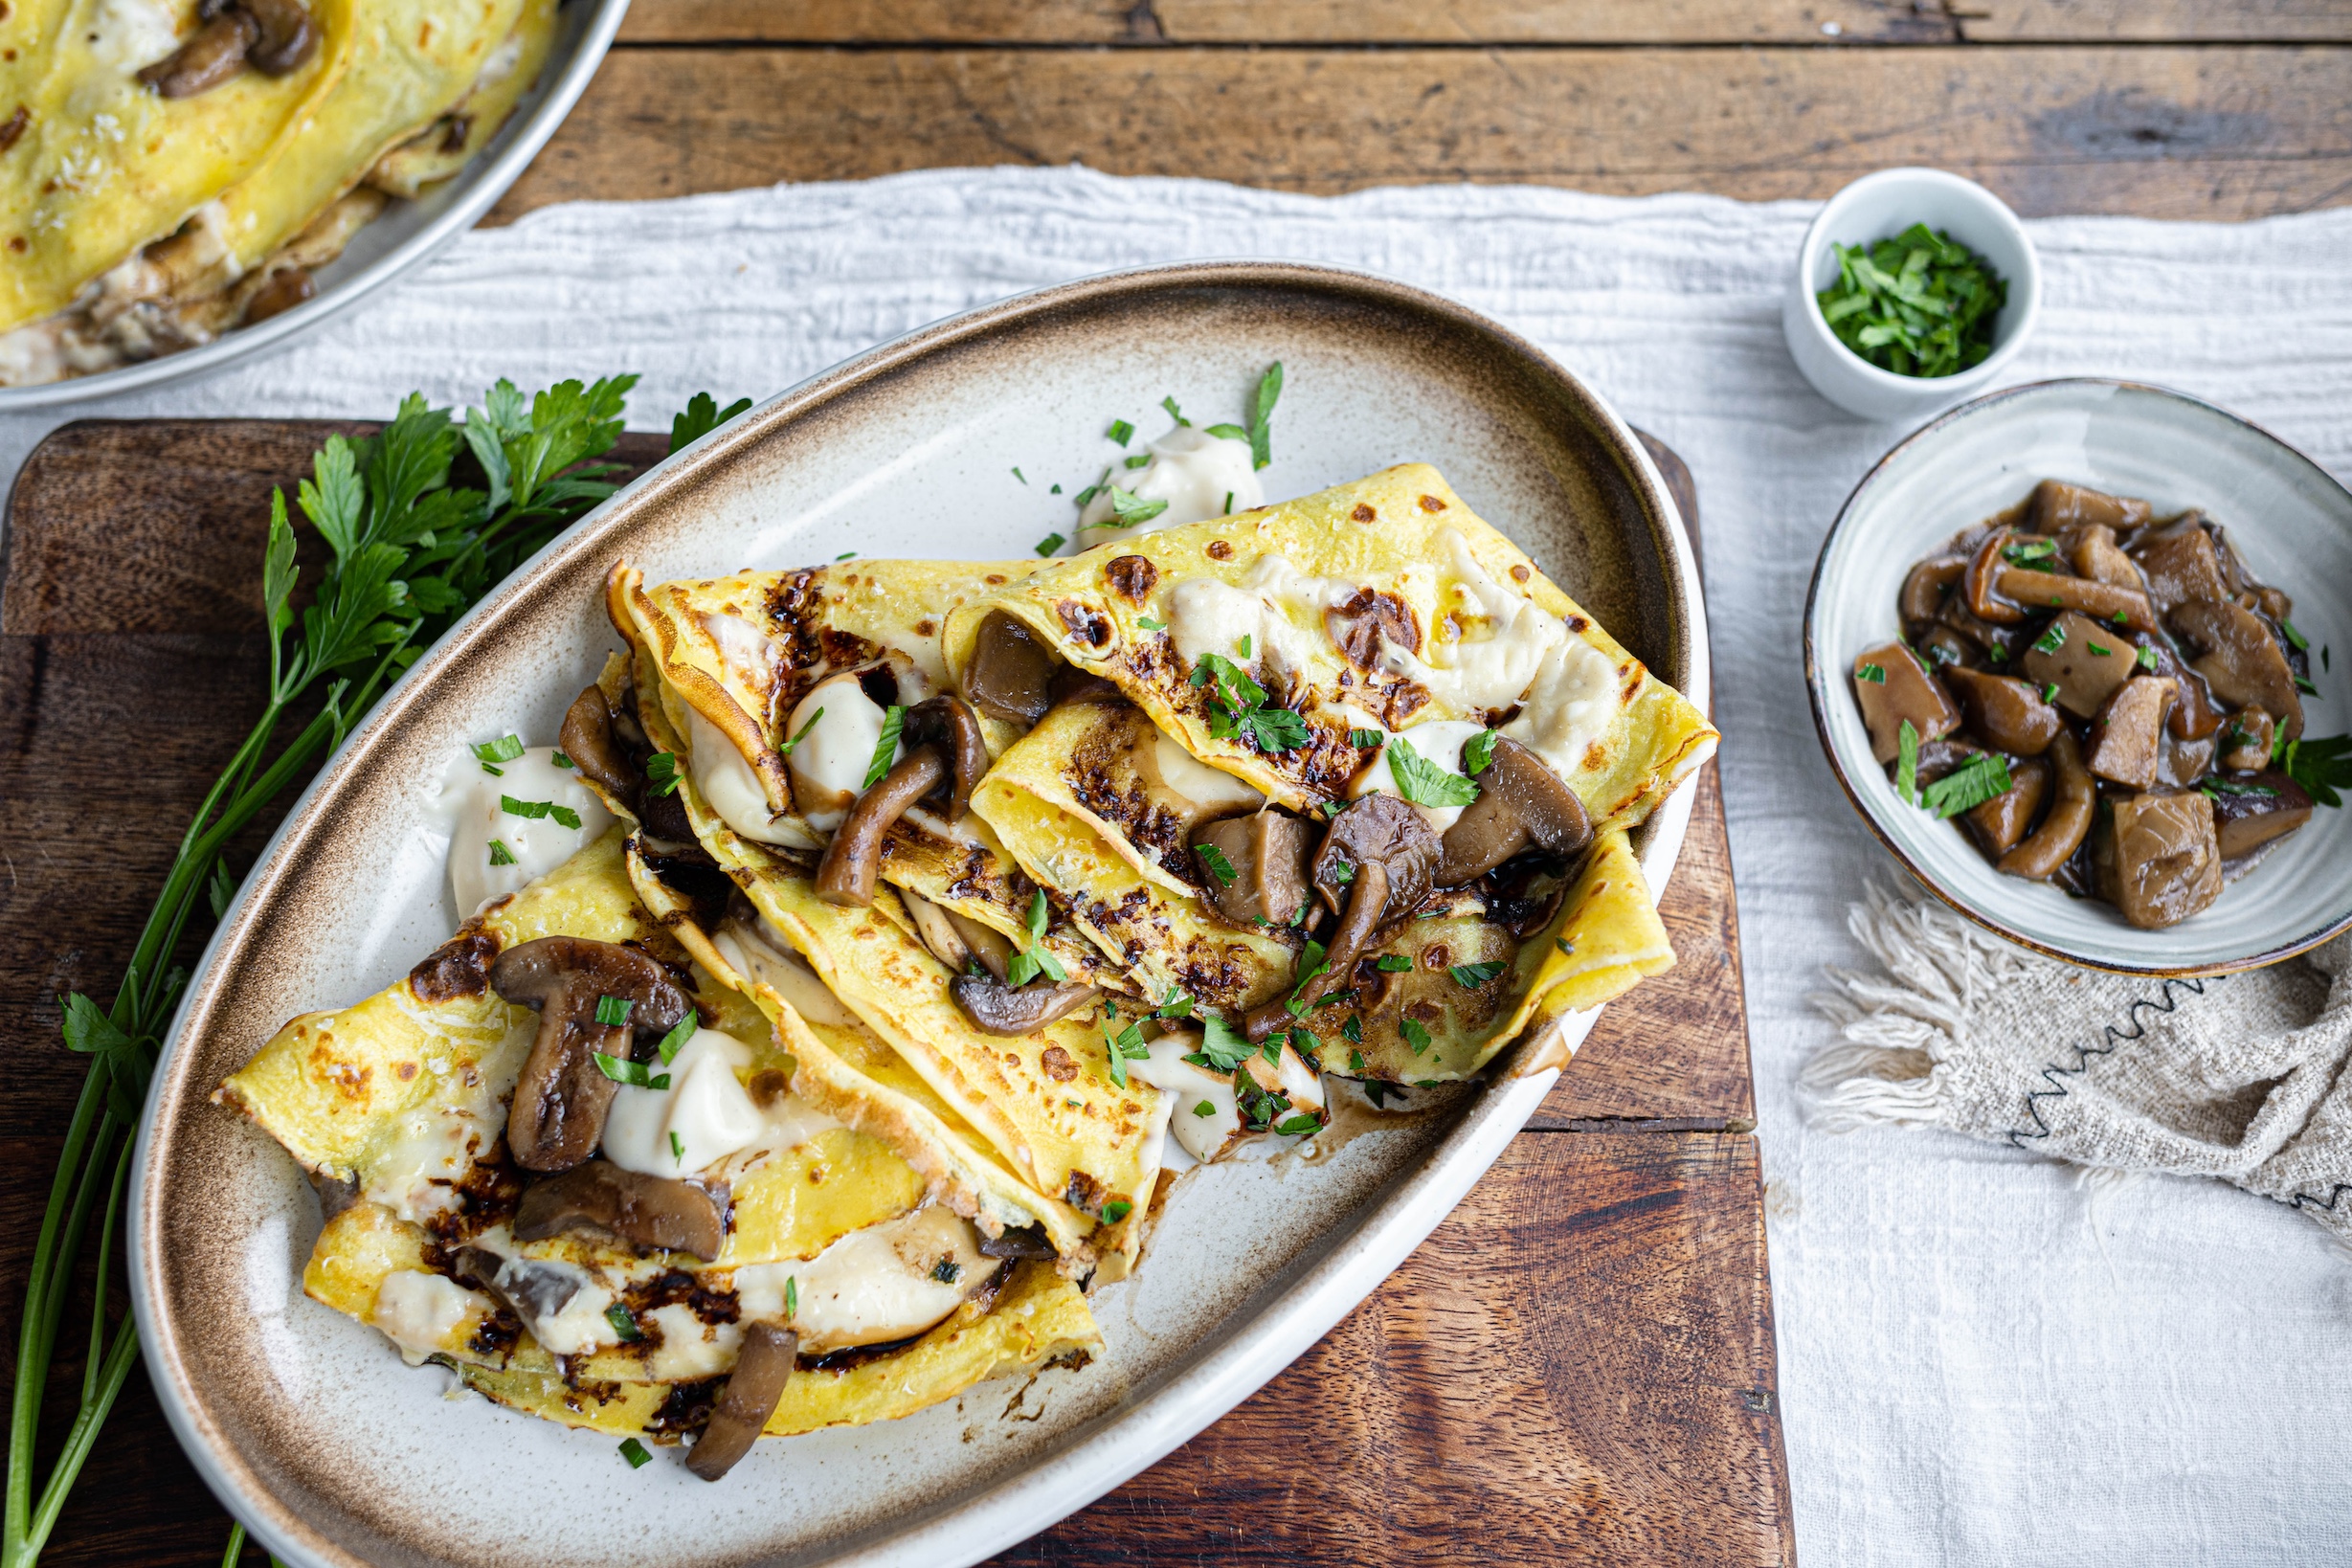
(1579, 1366)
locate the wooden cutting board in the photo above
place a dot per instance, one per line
(1577, 1366)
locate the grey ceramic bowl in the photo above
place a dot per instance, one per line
(402, 239)
(2288, 517)
(307, 1424)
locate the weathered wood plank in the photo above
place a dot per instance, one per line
(1482, 22)
(1576, 1368)
(2164, 132)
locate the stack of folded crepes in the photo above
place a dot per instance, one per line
(948, 911)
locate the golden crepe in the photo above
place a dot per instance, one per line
(141, 218)
(395, 1105)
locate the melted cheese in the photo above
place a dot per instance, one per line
(829, 764)
(1438, 741)
(1209, 617)
(690, 1348)
(886, 1282)
(419, 1311)
(732, 789)
(1189, 1086)
(575, 1323)
(704, 1116)
(1212, 790)
(1192, 471)
(1493, 668)
(471, 803)
(1569, 706)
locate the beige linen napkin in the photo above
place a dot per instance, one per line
(2239, 1077)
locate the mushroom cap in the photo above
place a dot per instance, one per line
(1382, 828)
(948, 723)
(1011, 672)
(845, 876)
(643, 1211)
(763, 1366)
(1269, 852)
(1521, 801)
(587, 738)
(562, 1097)
(996, 1008)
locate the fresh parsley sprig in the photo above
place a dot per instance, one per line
(409, 553)
(1035, 958)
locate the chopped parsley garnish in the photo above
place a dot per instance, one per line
(1215, 860)
(2323, 764)
(500, 854)
(1228, 503)
(676, 1039)
(1311, 964)
(1567, 949)
(1342, 873)
(1353, 1030)
(1055, 491)
(1150, 625)
(2218, 787)
(1242, 647)
(1920, 304)
(1204, 1108)
(1907, 764)
(947, 1270)
(1361, 739)
(662, 773)
(2147, 655)
(636, 1074)
(1237, 707)
(2034, 553)
(562, 761)
(1980, 778)
(787, 748)
(2049, 691)
(1471, 976)
(1262, 415)
(1414, 1034)
(1125, 1046)
(563, 815)
(1424, 782)
(1033, 958)
(613, 1011)
(2097, 652)
(1998, 653)
(2295, 640)
(678, 1148)
(1169, 403)
(1477, 752)
(504, 748)
(791, 1295)
(1140, 460)
(624, 1323)
(1049, 544)
(634, 1452)
(893, 722)
(846, 555)
(2050, 641)
(1395, 963)
(1177, 1005)
(1117, 1210)
(1019, 475)
(1121, 432)
(1223, 1047)
(1874, 674)
(1293, 1126)
(1130, 509)
(2303, 684)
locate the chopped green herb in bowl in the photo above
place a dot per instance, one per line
(1918, 305)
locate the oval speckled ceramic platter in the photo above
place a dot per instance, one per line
(2288, 517)
(308, 1425)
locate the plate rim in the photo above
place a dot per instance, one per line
(1817, 683)
(1111, 1447)
(485, 183)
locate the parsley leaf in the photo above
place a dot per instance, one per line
(1204, 1108)
(1292, 1127)
(2147, 655)
(2295, 638)
(634, 1452)
(1049, 544)
(661, 772)
(791, 1295)
(1907, 764)
(1363, 739)
(1124, 1046)
(1130, 509)
(614, 1011)
(1874, 674)
(2052, 639)
(1980, 778)
(1471, 976)
(1477, 752)
(1395, 963)
(504, 748)
(1261, 415)
(885, 748)
(1414, 1033)
(1033, 958)
(1178, 1005)
(622, 1070)
(676, 1039)
(2323, 764)
(1149, 624)
(1228, 433)
(500, 854)
(563, 815)
(1117, 1210)
(1424, 782)
(787, 748)
(1173, 412)
(701, 416)
(1224, 1046)
(1120, 431)
(1218, 866)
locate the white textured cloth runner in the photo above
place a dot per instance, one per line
(1982, 1359)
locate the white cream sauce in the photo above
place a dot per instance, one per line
(690, 1348)
(1574, 698)
(418, 1311)
(1438, 741)
(130, 35)
(874, 1285)
(730, 786)
(1192, 471)
(1188, 1087)
(1504, 638)
(829, 764)
(704, 1116)
(577, 1324)
(1209, 790)
(470, 802)
(1208, 617)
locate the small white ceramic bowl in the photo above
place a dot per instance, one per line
(1879, 207)
(2290, 519)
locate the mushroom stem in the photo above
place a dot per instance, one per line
(644, 1211)
(995, 1008)
(846, 875)
(762, 1368)
(1367, 903)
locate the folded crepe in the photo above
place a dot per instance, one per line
(396, 1107)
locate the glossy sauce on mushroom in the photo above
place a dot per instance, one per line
(2106, 700)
